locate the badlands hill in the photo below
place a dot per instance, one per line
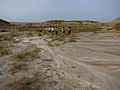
(3, 22)
(116, 20)
(116, 23)
(69, 23)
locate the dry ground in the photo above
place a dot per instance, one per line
(84, 61)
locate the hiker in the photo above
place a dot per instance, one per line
(49, 30)
(63, 29)
(69, 31)
(56, 31)
(52, 30)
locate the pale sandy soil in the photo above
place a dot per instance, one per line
(92, 62)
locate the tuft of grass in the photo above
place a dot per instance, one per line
(27, 54)
(23, 83)
(17, 66)
(4, 50)
(6, 37)
(32, 33)
(9, 36)
(2, 47)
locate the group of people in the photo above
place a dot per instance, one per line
(55, 30)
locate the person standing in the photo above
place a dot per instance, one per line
(52, 30)
(56, 31)
(63, 29)
(49, 30)
(69, 31)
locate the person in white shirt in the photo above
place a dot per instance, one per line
(49, 29)
(52, 29)
(63, 29)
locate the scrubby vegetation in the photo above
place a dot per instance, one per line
(4, 50)
(17, 66)
(24, 83)
(27, 54)
(21, 58)
(9, 36)
(6, 37)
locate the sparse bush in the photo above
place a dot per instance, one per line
(17, 66)
(9, 36)
(2, 47)
(15, 34)
(27, 54)
(4, 50)
(5, 37)
(23, 83)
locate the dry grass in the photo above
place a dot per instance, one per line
(6, 37)
(17, 66)
(4, 50)
(31, 33)
(23, 83)
(61, 39)
(27, 54)
(9, 36)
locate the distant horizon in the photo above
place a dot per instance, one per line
(58, 19)
(44, 10)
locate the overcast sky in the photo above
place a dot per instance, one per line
(42, 10)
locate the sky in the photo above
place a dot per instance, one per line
(43, 10)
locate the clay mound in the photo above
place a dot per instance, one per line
(117, 26)
(116, 20)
